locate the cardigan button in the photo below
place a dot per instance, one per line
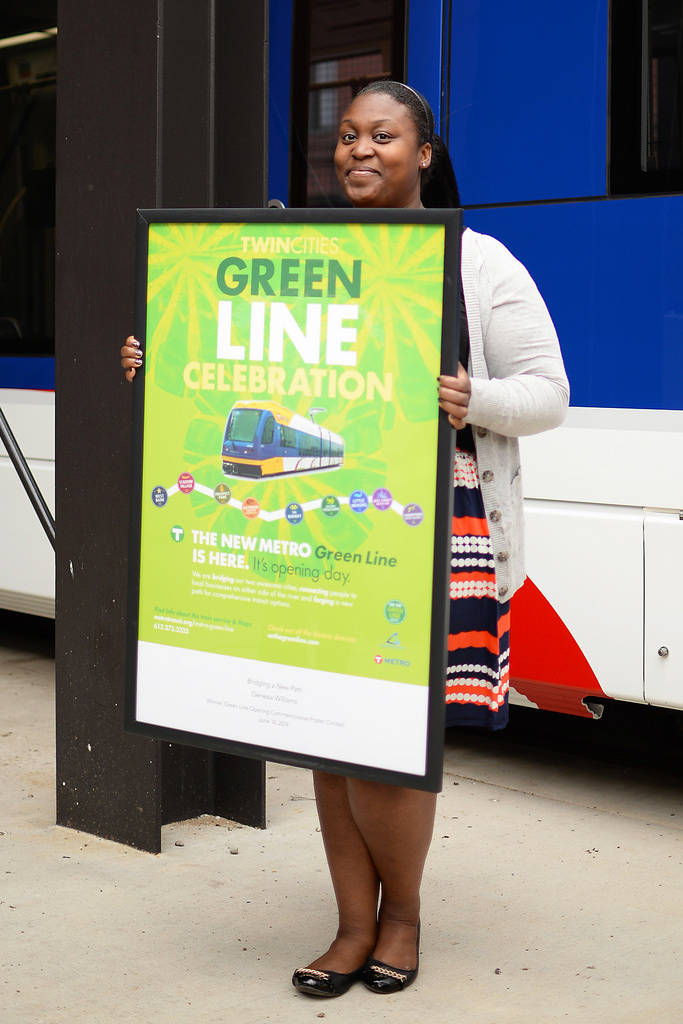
(502, 556)
(482, 432)
(502, 592)
(487, 476)
(495, 516)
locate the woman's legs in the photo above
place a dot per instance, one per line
(397, 826)
(374, 834)
(354, 877)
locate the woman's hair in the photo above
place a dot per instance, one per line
(438, 187)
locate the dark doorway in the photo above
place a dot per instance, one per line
(338, 48)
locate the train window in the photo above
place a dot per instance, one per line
(646, 97)
(338, 48)
(242, 425)
(312, 445)
(268, 430)
(287, 436)
(28, 74)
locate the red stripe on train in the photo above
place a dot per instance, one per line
(546, 663)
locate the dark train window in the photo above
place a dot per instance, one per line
(28, 75)
(646, 97)
(338, 48)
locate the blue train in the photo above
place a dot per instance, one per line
(565, 127)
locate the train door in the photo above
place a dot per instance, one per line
(663, 662)
(336, 49)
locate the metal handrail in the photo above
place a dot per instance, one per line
(27, 479)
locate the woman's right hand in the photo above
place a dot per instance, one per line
(131, 356)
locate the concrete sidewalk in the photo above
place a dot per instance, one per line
(552, 894)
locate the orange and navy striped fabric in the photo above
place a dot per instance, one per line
(478, 674)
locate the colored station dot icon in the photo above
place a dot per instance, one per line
(250, 508)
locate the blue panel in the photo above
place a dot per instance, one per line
(528, 105)
(423, 72)
(35, 373)
(280, 38)
(610, 272)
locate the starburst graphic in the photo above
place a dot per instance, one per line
(379, 396)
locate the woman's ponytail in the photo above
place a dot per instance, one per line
(439, 186)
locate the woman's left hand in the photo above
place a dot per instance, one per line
(454, 397)
(131, 356)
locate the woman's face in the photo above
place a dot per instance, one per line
(378, 159)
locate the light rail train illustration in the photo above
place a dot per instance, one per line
(264, 439)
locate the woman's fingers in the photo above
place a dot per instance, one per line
(454, 397)
(131, 356)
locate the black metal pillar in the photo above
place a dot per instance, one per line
(153, 99)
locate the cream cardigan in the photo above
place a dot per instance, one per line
(519, 386)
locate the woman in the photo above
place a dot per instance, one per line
(376, 836)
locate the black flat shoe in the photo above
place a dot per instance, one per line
(382, 978)
(325, 983)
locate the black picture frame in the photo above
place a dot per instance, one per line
(279, 219)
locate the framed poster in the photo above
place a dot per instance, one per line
(293, 485)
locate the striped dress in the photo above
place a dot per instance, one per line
(477, 678)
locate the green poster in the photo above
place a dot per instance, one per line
(288, 494)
